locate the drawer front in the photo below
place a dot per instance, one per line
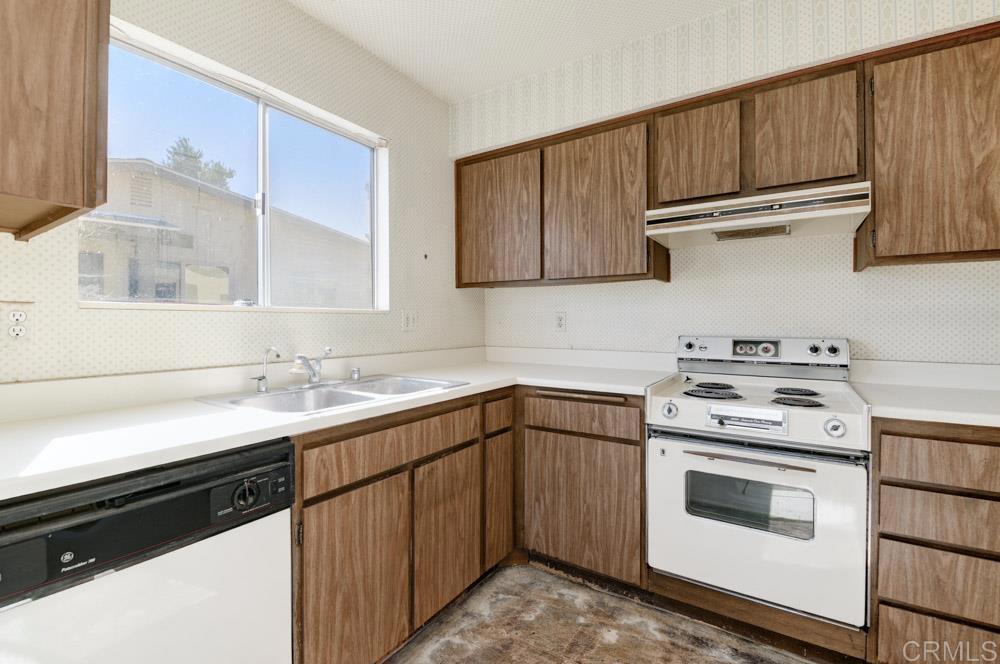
(338, 464)
(939, 517)
(498, 415)
(949, 583)
(940, 462)
(599, 419)
(904, 637)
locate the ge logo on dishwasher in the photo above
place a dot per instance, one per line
(66, 557)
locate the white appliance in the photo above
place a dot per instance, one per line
(818, 211)
(186, 564)
(757, 474)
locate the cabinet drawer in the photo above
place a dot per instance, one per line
(941, 462)
(498, 415)
(600, 419)
(338, 464)
(902, 635)
(949, 583)
(939, 517)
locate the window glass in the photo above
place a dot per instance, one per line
(319, 186)
(180, 223)
(779, 509)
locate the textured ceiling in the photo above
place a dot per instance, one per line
(457, 48)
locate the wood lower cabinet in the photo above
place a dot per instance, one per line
(53, 112)
(582, 502)
(447, 515)
(499, 499)
(937, 571)
(807, 131)
(594, 197)
(356, 561)
(936, 134)
(697, 152)
(500, 222)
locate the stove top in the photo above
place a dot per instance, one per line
(791, 391)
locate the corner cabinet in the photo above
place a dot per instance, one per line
(569, 211)
(53, 112)
(936, 156)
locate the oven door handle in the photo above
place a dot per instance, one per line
(712, 456)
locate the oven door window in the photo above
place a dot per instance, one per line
(783, 510)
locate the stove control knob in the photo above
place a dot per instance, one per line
(689, 346)
(669, 410)
(833, 351)
(814, 349)
(246, 495)
(835, 428)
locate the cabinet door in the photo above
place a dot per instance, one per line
(582, 502)
(499, 497)
(53, 111)
(500, 232)
(937, 151)
(356, 573)
(447, 515)
(807, 131)
(698, 152)
(595, 205)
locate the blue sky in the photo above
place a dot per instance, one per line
(314, 173)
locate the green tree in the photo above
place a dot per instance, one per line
(185, 158)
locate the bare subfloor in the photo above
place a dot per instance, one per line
(528, 616)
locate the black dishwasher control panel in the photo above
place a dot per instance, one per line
(59, 539)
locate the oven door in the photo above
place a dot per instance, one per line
(789, 529)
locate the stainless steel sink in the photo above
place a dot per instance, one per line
(300, 399)
(395, 385)
(325, 396)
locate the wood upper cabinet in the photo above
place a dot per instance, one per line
(356, 573)
(500, 232)
(582, 502)
(447, 516)
(807, 131)
(936, 134)
(53, 112)
(697, 152)
(595, 205)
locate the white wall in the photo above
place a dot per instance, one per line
(273, 42)
(943, 313)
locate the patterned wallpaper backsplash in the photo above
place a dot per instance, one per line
(751, 39)
(948, 312)
(280, 45)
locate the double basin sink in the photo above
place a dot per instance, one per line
(324, 396)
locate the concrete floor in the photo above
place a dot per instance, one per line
(525, 615)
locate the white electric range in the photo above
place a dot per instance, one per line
(757, 473)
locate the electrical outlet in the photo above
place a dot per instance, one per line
(561, 321)
(17, 331)
(409, 321)
(17, 316)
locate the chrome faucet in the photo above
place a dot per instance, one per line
(312, 367)
(262, 378)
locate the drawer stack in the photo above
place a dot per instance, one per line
(938, 578)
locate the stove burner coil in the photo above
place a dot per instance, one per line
(797, 401)
(714, 386)
(796, 392)
(712, 394)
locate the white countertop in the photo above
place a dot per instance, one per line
(43, 454)
(932, 404)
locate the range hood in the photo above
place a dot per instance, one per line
(820, 211)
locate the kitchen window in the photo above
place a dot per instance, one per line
(224, 193)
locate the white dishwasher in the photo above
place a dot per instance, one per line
(186, 563)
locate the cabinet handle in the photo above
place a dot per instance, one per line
(580, 395)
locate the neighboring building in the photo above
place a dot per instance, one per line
(166, 237)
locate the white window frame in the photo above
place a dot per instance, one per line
(168, 53)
